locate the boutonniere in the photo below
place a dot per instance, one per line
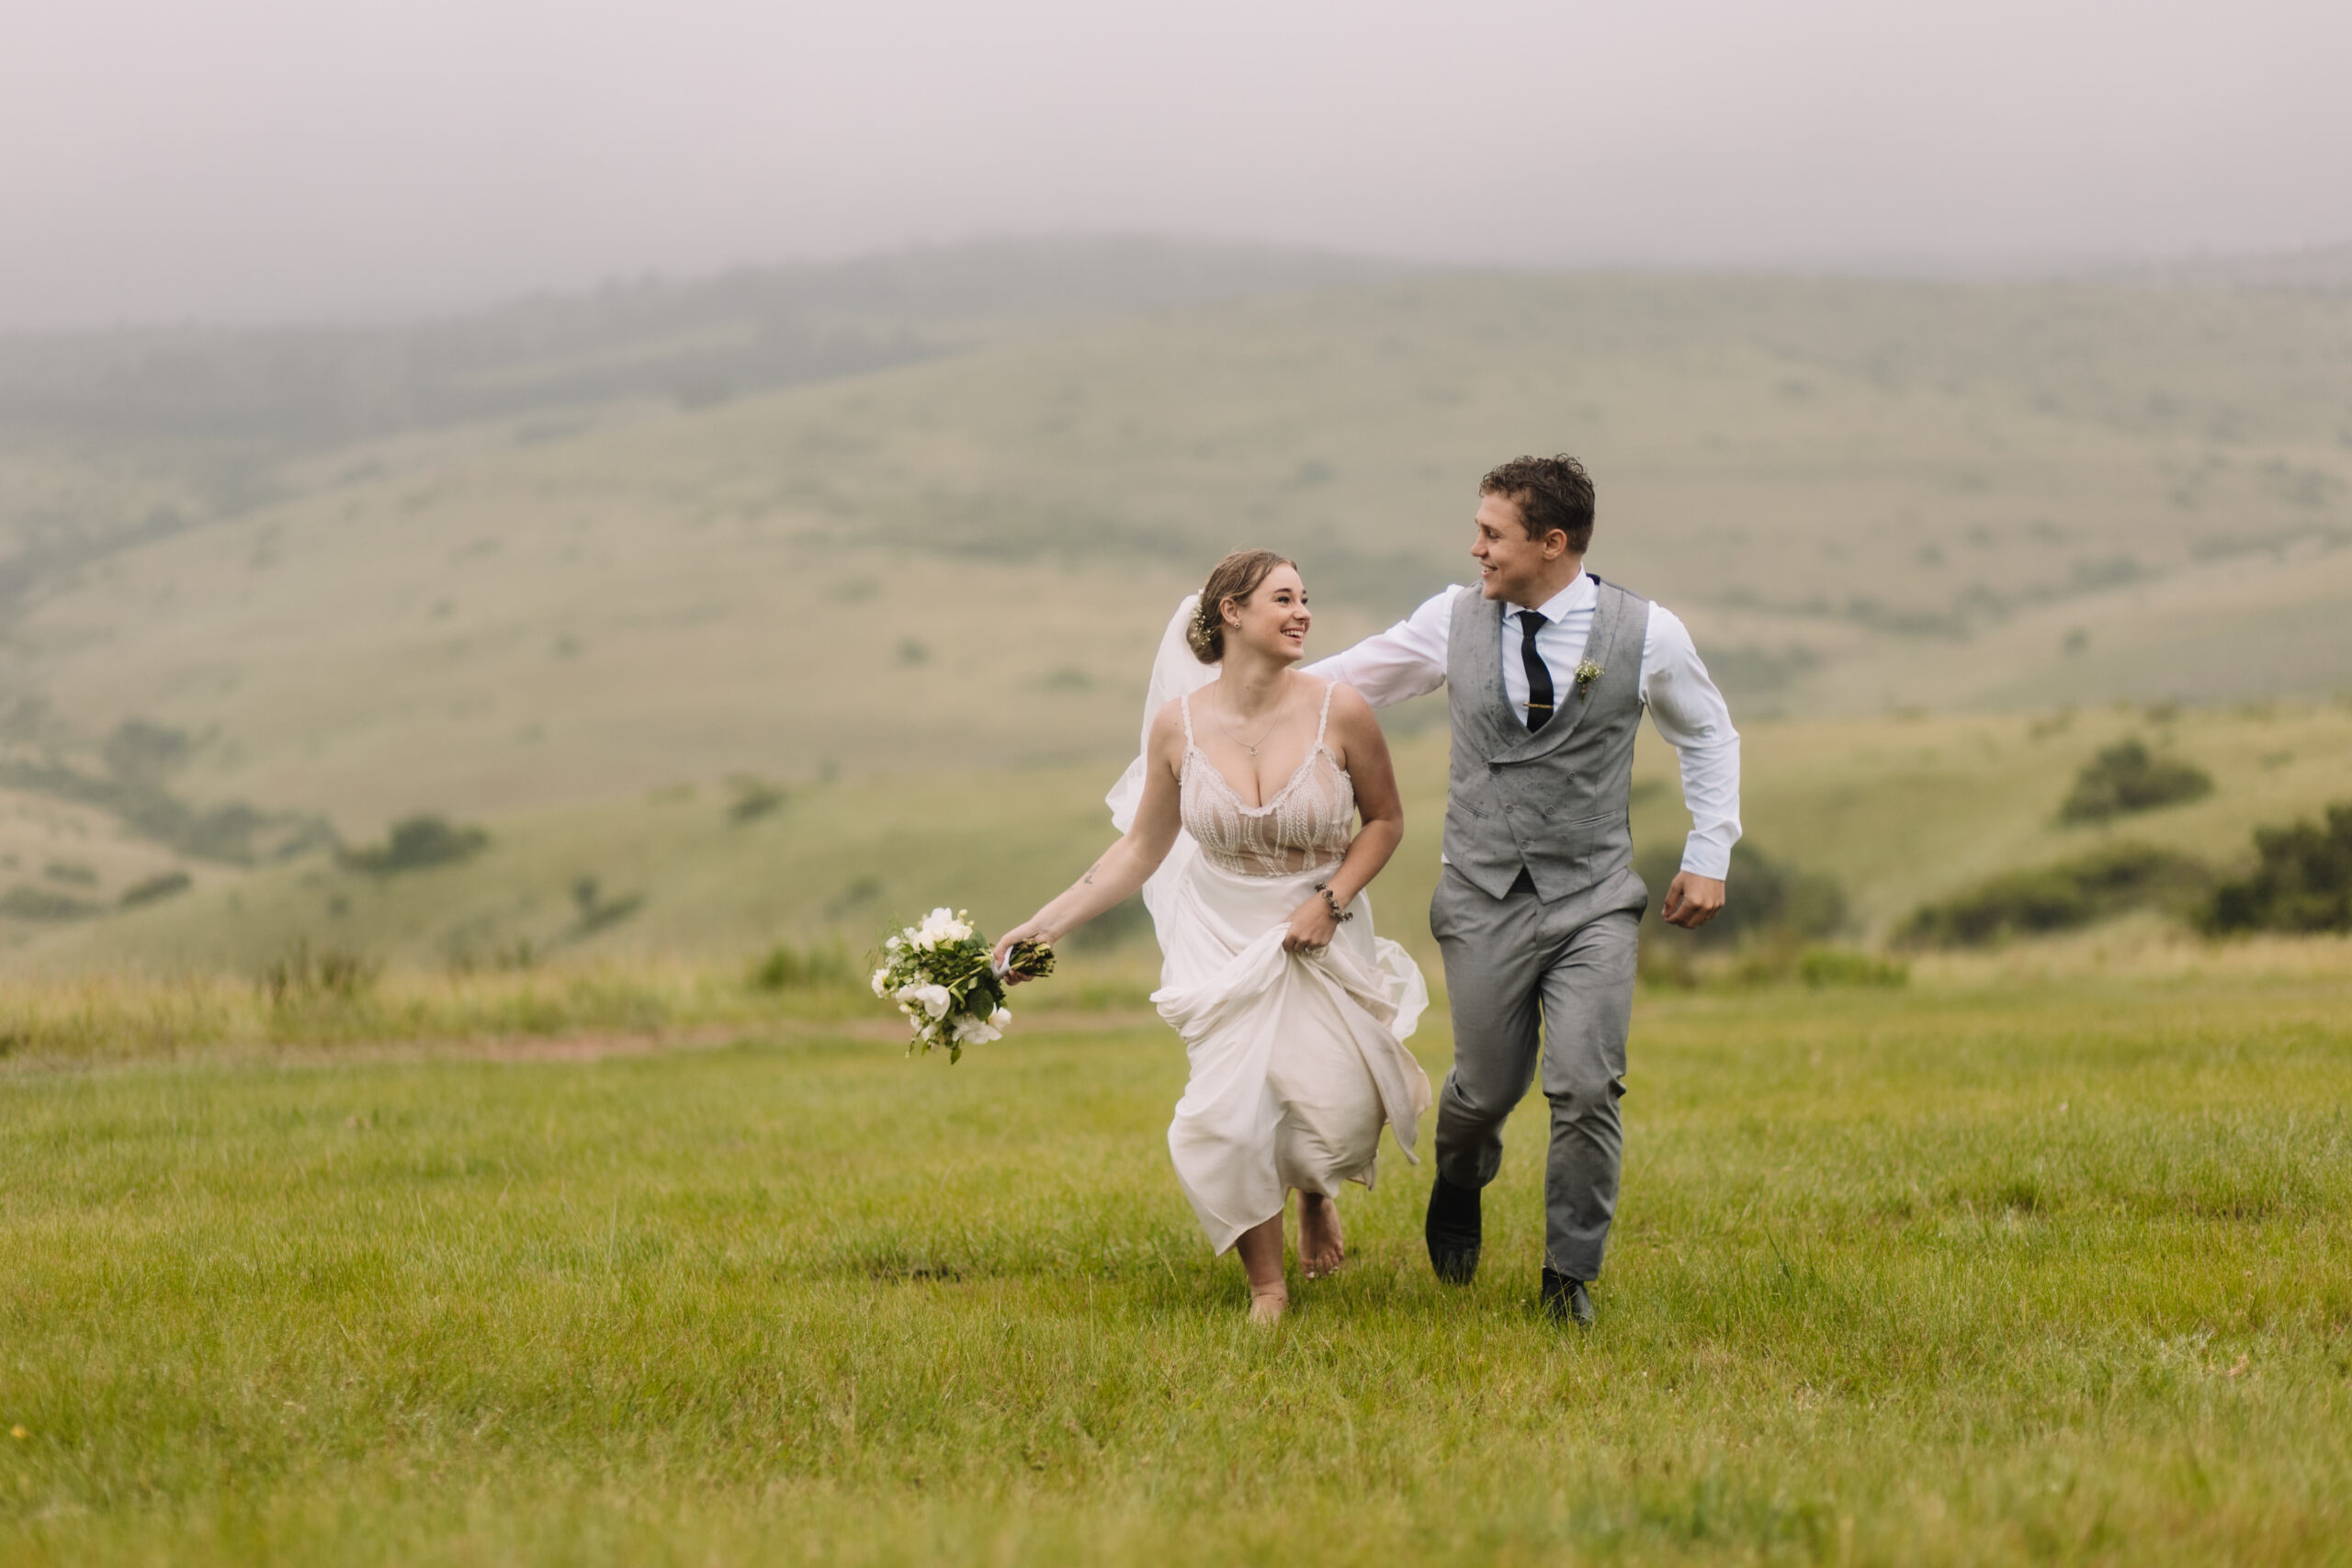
(1586, 673)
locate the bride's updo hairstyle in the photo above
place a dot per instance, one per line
(1235, 578)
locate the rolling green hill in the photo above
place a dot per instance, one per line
(1865, 497)
(1862, 495)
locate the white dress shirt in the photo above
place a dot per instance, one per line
(1408, 661)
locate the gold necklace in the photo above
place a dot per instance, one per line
(1251, 747)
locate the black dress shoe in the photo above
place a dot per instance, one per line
(1452, 1231)
(1565, 1300)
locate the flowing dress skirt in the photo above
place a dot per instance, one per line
(1298, 1059)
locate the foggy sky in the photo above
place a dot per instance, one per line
(273, 159)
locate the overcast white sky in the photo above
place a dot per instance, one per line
(261, 159)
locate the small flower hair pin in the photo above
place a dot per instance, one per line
(1586, 673)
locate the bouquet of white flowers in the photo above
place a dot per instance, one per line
(941, 975)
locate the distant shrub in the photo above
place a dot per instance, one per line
(415, 843)
(611, 912)
(162, 884)
(2302, 881)
(2072, 893)
(790, 968)
(2128, 777)
(25, 902)
(596, 911)
(301, 976)
(72, 871)
(754, 798)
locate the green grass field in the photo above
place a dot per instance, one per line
(1992, 1269)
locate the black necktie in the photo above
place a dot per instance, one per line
(1539, 674)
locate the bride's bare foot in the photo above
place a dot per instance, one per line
(1260, 1247)
(1321, 1249)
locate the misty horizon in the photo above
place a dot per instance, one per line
(258, 163)
(2331, 262)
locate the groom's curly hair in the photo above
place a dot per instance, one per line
(1550, 492)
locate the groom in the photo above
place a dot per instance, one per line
(1547, 670)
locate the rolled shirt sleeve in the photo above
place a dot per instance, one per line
(1691, 716)
(1406, 661)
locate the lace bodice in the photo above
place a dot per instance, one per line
(1308, 822)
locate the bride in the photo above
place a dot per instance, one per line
(1238, 827)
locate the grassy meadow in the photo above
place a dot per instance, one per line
(1989, 1269)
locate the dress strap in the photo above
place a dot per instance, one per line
(1323, 720)
(1185, 702)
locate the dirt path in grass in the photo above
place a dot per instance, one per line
(595, 1045)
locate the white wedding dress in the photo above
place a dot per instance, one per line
(1298, 1059)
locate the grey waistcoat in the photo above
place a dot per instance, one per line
(1552, 803)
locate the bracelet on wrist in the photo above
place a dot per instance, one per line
(1332, 900)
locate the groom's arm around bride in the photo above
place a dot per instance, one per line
(1548, 670)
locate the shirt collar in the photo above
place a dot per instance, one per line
(1581, 592)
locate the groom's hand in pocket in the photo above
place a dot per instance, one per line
(1692, 900)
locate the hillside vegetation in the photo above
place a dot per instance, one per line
(1896, 813)
(1866, 498)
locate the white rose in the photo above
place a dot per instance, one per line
(935, 1000)
(1001, 1018)
(891, 945)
